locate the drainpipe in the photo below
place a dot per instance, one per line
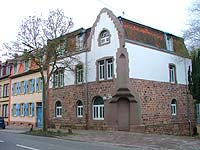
(86, 89)
(187, 98)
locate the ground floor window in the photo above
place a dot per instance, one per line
(98, 109)
(79, 109)
(173, 107)
(58, 109)
(5, 110)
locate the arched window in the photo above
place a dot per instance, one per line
(98, 108)
(58, 109)
(104, 37)
(79, 108)
(173, 107)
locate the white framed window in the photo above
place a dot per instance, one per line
(30, 109)
(79, 109)
(173, 108)
(169, 42)
(79, 74)
(56, 80)
(101, 70)
(5, 110)
(5, 90)
(58, 109)
(109, 63)
(22, 107)
(61, 78)
(172, 73)
(104, 37)
(80, 41)
(98, 109)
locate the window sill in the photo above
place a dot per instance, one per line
(98, 119)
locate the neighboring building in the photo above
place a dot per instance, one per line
(26, 94)
(130, 77)
(5, 89)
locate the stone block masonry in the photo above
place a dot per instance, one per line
(155, 106)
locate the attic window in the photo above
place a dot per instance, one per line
(169, 42)
(104, 37)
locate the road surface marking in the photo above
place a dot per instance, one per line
(26, 147)
(1, 141)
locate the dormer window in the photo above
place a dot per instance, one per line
(169, 42)
(80, 41)
(104, 37)
(26, 65)
(15, 68)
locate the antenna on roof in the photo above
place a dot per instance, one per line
(123, 13)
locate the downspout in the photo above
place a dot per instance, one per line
(86, 89)
(187, 98)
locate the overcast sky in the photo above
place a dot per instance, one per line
(166, 15)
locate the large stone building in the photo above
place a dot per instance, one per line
(130, 77)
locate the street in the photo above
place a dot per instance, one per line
(15, 141)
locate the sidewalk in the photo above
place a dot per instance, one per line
(136, 141)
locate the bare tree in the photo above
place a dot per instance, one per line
(45, 42)
(192, 34)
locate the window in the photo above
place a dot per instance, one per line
(5, 90)
(15, 68)
(58, 109)
(101, 70)
(172, 73)
(98, 109)
(169, 42)
(79, 74)
(79, 110)
(59, 78)
(80, 41)
(14, 110)
(104, 37)
(22, 109)
(22, 89)
(30, 109)
(5, 110)
(105, 69)
(26, 65)
(61, 49)
(29, 86)
(173, 107)
(109, 69)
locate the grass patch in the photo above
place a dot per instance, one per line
(47, 133)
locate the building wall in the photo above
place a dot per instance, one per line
(155, 100)
(4, 100)
(25, 98)
(150, 64)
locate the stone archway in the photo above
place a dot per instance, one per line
(123, 106)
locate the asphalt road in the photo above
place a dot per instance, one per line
(16, 141)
